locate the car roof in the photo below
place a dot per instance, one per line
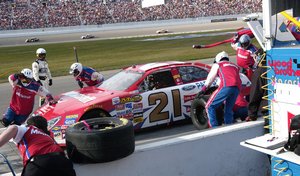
(162, 65)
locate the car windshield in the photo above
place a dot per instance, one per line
(121, 81)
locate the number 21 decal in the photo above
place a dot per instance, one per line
(157, 114)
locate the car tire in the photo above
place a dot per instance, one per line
(100, 140)
(198, 113)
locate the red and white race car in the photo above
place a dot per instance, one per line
(149, 95)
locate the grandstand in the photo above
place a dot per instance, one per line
(32, 14)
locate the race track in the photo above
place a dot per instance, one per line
(13, 37)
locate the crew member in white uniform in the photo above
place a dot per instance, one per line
(41, 71)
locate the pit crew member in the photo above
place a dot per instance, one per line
(87, 75)
(228, 90)
(41, 71)
(22, 101)
(41, 154)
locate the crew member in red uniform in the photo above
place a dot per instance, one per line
(240, 108)
(227, 91)
(24, 90)
(245, 55)
(86, 75)
(42, 156)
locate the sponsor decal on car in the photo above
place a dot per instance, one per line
(63, 131)
(57, 134)
(92, 107)
(200, 84)
(135, 115)
(137, 107)
(188, 87)
(125, 114)
(187, 98)
(70, 119)
(45, 109)
(56, 130)
(128, 105)
(138, 119)
(136, 98)
(119, 107)
(80, 97)
(115, 100)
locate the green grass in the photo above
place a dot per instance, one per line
(108, 54)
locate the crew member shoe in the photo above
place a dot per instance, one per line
(251, 119)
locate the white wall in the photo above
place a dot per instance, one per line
(208, 153)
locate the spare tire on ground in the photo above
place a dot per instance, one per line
(100, 140)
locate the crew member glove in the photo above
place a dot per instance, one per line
(80, 84)
(51, 100)
(50, 82)
(18, 75)
(202, 92)
(235, 38)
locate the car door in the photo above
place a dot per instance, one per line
(160, 99)
(193, 79)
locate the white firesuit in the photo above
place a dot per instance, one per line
(41, 72)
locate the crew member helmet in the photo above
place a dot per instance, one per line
(245, 41)
(76, 69)
(40, 52)
(220, 56)
(27, 73)
(26, 76)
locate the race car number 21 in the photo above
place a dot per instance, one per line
(157, 114)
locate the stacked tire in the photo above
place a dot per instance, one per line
(100, 140)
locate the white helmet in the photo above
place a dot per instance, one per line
(27, 73)
(220, 56)
(41, 51)
(76, 69)
(245, 40)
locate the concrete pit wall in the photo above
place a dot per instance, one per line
(215, 152)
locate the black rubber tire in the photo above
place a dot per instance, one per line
(107, 140)
(198, 113)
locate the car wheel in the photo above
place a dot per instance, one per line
(198, 113)
(100, 140)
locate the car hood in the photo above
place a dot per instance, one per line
(76, 101)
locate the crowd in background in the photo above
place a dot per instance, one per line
(30, 14)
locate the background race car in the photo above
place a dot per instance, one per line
(162, 31)
(87, 36)
(34, 39)
(148, 95)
